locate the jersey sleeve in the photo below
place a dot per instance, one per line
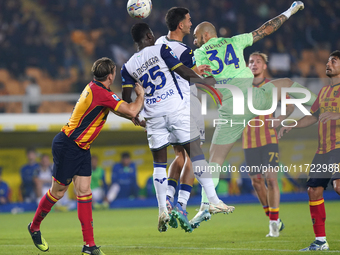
(127, 80)
(200, 56)
(243, 40)
(170, 58)
(188, 58)
(315, 110)
(109, 99)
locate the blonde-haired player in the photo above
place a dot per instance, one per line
(261, 148)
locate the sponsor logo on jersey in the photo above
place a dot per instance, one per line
(173, 54)
(115, 97)
(161, 97)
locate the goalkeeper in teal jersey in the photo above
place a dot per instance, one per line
(225, 57)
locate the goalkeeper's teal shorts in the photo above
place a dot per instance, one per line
(231, 131)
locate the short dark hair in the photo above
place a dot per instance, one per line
(335, 54)
(125, 154)
(44, 155)
(174, 16)
(30, 149)
(139, 30)
(102, 68)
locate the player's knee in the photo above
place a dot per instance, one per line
(83, 191)
(315, 193)
(58, 193)
(272, 183)
(180, 160)
(256, 183)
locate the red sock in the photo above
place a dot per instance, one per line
(266, 209)
(85, 218)
(318, 214)
(43, 209)
(273, 213)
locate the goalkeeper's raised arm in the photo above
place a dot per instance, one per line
(272, 25)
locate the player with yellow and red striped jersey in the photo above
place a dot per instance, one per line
(325, 165)
(254, 137)
(90, 113)
(329, 132)
(71, 154)
(261, 148)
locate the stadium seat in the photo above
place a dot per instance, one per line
(14, 107)
(320, 68)
(308, 55)
(15, 87)
(304, 67)
(323, 55)
(4, 75)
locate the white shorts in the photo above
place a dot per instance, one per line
(197, 117)
(173, 129)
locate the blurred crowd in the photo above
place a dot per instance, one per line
(121, 184)
(56, 35)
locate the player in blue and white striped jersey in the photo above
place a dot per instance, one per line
(167, 120)
(178, 21)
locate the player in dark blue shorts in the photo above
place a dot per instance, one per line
(261, 149)
(325, 165)
(71, 150)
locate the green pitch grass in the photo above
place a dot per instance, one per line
(134, 231)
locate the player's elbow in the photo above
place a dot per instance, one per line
(337, 189)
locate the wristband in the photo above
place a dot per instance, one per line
(287, 13)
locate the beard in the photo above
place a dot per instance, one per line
(330, 75)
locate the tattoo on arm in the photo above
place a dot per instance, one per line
(268, 27)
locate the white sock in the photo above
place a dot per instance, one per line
(170, 192)
(215, 173)
(321, 238)
(204, 206)
(203, 175)
(160, 181)
(183, 197)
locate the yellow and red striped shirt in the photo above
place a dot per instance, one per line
(90, 113)
(328, 100)
(254, 137)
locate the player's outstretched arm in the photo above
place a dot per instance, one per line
(130, 110)
(189, 75)
(289, 111)
(301, 123)
(272, 25)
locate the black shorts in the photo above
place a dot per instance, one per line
(267, 155)
(324, 167)
(69, 159)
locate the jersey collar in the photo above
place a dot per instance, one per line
(335, 85)
(171, 40)
(258, 84)
(98, 83)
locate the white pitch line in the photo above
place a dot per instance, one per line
(178, 248)
(204, 248)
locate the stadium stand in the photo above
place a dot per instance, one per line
(55, 41)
